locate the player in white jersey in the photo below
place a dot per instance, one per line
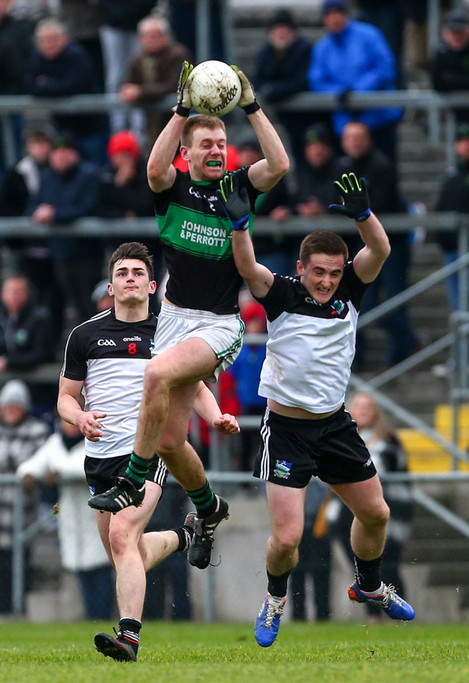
(100, 390)
(311, 324)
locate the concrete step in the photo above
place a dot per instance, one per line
(445, 550)
(449, 573)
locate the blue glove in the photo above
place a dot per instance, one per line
(355, 195)
(235, 201)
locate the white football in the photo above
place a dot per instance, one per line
(214, 88)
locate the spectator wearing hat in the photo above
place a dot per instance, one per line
(153, 72)
(67, 191)
(60, 67)
(454, 196)
(21, 435)
(317, 172)
(123, 190)
(60, 462)
(101, 297)
(449, 66)
(281, 68)
(354, 56)
(26, 337)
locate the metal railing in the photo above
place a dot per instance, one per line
(432, 103)
(23, 536)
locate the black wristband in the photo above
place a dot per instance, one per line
(251, 108)
(182, 111)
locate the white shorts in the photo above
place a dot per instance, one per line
(223, 333)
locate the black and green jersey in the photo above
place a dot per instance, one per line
(196, 238)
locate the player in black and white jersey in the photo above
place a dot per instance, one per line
(199, 329)
(312, 324)
(100, 391)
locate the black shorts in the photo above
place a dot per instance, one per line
(101, 472)
(293, 451)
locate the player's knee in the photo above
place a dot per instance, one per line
(286, 541)
(170, 446)
(379, 515)
(119, 540)
(155, 378)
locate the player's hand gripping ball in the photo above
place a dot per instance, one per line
(214, 88)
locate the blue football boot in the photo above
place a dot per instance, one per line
(389, 601)
(268, 621)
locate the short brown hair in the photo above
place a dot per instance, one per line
(322, 242)
(134, 250)
(199, 121)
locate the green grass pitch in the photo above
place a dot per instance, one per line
(227, 653)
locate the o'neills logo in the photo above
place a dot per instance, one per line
(203, 234)
(225, 98)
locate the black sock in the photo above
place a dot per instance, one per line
(368, 573)
(185, 534)
(129, 630)
(204, 500)
(277, 585)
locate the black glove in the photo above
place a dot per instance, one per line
(184, 104)
(247, 101)
(235, 201)
(355, 195)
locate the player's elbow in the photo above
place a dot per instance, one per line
(153, 175)
(246, 270)
(386, 250)
(282, 164)
(156, 175)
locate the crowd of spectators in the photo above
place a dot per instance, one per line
(69, 166)
(93, 164)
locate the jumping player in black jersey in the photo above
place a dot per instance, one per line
(312, 323)
(100, 391)
(199, 329)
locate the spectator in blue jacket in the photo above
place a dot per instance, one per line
(60, 67)
(281, 71)
(67, 192)
(354, 57)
